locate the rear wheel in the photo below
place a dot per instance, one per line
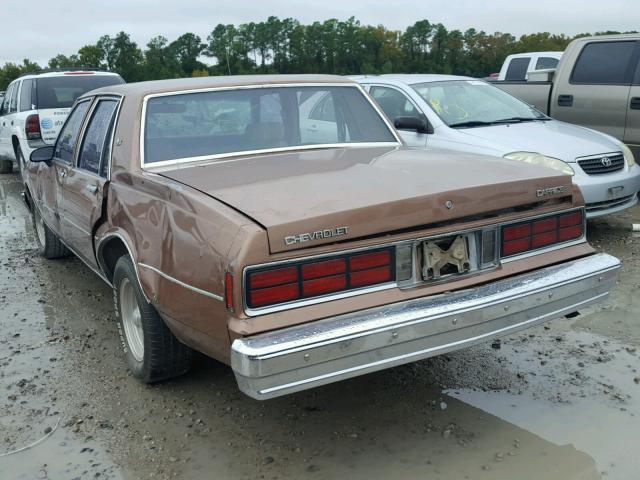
(153, 353)
(6, 166)
(49, 244)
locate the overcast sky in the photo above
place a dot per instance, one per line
(38, 32)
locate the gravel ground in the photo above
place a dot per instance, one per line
(555, 402)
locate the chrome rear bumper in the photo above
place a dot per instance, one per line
(325, 351)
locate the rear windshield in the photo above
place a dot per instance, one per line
(231, 121)
(62, 91)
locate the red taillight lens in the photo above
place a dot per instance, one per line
(308, 279)
(228, 290)
(270, 278)
(540, 233)
(32, 127)
(273, 295)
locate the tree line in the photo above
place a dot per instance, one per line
(287, 46)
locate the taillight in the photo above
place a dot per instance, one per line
(314, 278)
(228, 291)
(32, 127)
(543, 232)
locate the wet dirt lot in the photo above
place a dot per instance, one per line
(560, 401)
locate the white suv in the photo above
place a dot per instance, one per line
(36, 106)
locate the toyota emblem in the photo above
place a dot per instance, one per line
(606, 161)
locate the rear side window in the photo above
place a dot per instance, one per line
(517, 69)
(92, 153)
(604, 63)
(68, 137)
(62, 91)
(26, 100)
(13, 104)
(546, 62)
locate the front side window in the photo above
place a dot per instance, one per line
(517, 69)
(393, 102)
(604, 63)
(474, 103)
(226, 122)
(7, 100)
(68, 137)
(97, 134)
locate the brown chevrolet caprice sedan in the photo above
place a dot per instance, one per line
(278, 224)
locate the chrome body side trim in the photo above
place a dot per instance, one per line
(182, 284)
(325, 351)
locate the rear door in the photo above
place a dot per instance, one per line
(6, 122)
(597, 92)
(83, 191)
(632, 128)
(395, 103)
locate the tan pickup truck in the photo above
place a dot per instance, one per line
(596, 84)
(280, 225)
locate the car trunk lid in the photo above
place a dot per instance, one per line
(309, 198)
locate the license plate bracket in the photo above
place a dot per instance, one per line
(446, 256)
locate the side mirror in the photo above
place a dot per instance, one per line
(42, 154)
(419, 124)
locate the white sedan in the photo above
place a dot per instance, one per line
(470, 115)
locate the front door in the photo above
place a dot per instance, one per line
(632, 128)
(394, 103)
(5, 123)
(83, 191)
(597, 93)
(50, 180)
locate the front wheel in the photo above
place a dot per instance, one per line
(153, 353)
(6, 166)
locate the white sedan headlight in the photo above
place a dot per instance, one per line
(628, 155)
(539, 159)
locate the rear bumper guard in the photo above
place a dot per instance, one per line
(325, 351)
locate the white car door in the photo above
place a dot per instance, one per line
(318, 119)
(6, 118)
(395, 103)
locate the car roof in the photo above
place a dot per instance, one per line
(528, 54)
(410, 78)
(142, 89)
(61, 73)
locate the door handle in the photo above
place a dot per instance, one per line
(62, 173)
(93, 189)
(565, 100)
(635, 103)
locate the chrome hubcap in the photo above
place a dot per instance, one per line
(40, 228)
(131, 319)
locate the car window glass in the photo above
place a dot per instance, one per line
(25, 96)
(96, 134)
(324, 110)
(6, 101)
(13, 106)
(393, 102)
(517, 69)
(229, 121)
(546, 62)
(68, 137)
(61, 91)
(458, 101)
(604, 63)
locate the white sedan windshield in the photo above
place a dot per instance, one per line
(225, 122)
(469, 103)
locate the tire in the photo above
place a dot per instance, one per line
(49, 245)
(21, 163)
(6, 166)
(152, 352)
